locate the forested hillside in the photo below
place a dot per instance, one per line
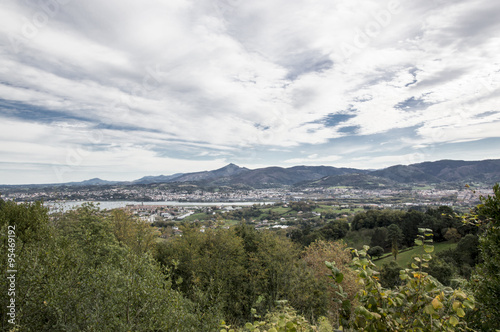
(93, 270)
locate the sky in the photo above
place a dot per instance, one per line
(121, 89)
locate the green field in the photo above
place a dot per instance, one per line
(199, 216)
(280, 210)
(422, 187)
(328, 208)
(230, 222)
(404, 258)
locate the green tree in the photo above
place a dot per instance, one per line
(468, 250)
(411, 221)
(395, 236)
(452, 235)
(334, 230)
(376, 251)
(379, 237)
(464, 256)
(389, 275)
(315, 256)
(440, 220)
(486, 279)
(30, 221)
(239, 269)
(209, 269)
(79, 278)
(133, 232)
(284, 319)
(442, 270)
(276, 273)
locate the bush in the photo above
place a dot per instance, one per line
(315, 256)
(282, 319)
(376, 251)
(421, 303)
(389, 275)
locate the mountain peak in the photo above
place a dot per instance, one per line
(230, 169)
(94, 181)
(231, 165)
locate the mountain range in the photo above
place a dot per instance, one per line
(438, 172)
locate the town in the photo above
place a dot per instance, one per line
(167, 207)
(387, 197)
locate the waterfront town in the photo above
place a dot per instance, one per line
(411, 196)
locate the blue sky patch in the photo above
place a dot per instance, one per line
(412, 104)
(19, 110)
(334, 119)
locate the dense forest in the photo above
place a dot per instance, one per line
(94, 270)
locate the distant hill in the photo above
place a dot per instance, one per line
(439, 172)
(261, 177)
(272, 176)
(92, 182)
(356, 180)
(485, 171)
(228, 171)
(157, 179)
(406, 174)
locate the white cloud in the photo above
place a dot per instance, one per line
(206, 79)
(314, 159)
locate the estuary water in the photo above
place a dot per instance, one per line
(108, 205)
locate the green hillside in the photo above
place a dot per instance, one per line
(404, 257)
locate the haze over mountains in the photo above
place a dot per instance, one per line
(439, 172)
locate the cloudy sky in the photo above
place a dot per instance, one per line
(121, 89)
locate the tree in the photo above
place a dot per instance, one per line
(285, 319)
(376, 218)
(240, 267)
(209, 269)
(395, 236)
(29, 219)
(79, 278)
(410, 224)
(376, 251)
(334, 230)
(315, 256)
(486, 279)
(442, 270)
(468, 250)
(389, 275)
(452, 235)
(133, 232)
(440, 220)
(379, 237)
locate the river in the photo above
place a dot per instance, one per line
(70, 205)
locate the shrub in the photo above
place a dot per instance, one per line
(389, 275)
(376, 251)
(315, 256)
(420, 304)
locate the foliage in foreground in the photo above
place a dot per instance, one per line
(79, 277)
(239, 269)
(315, 256)
(282, 319)
(485, 280)
(90, 272)
(421, 303)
